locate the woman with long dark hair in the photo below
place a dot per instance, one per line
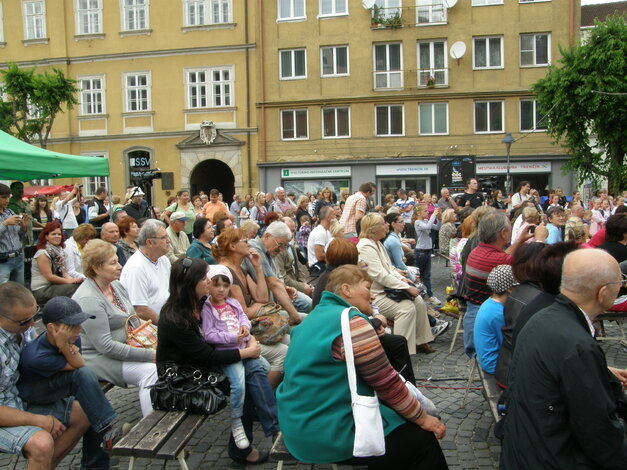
(181, 343)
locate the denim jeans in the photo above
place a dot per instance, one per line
(83, 385)
(12, 270)
(469, 328)
(423, 263)
(236, 375)
(302, 303)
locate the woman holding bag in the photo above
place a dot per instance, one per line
(104, 339)
(314, 400)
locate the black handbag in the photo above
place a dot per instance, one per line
(398, 295)
(188, 389)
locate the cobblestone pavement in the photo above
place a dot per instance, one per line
(469, 443)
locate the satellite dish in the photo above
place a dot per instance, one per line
(450, 3)
(458, 50)
(368, 4)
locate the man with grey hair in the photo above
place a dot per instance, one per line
(146, 274)
(446, 201)
(494, 234)
(275, 239)
(575, 220)
(563, 403)
(282, 204)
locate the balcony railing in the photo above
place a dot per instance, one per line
(398, 17)
(432, 77)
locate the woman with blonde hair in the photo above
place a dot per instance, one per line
(409, 316)
(258, 212)
(74, 248)
(447, 231)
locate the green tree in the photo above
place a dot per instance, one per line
(585, 100)
(33, 101)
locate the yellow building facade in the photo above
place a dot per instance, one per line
(149, 73)
(395, 91)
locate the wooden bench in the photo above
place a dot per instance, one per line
(280, 453)
(441, 255)
(161, 435)
(619, 318)
(105, 386)
(489, 388)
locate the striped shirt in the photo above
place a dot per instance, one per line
(355, 203)
(9, 235)
(9, 360)
(372, 365)
(480, 262)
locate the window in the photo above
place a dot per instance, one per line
(530, 117)
(488, 116)
(336, 122)
(92, 95)
(388, 65)
(135, 14)
(389, 120)
(209, 88)
(291, 9)
(488, 52)
(92, 183)
(137, 92)
(432, 62)
(207, 12)
(334, 61)
(293, 64)
(433, 118)
(34, 19)
(388, 8)
(333, 7)
(480, 3)
(1, 24)
(88, 17)
(294, 124)
(42, 182)
(534, 49)
(430, 12)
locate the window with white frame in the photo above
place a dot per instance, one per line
(293, 63)
(333, 7)
(488, 52)
(334, 61)
(535, 49)
(42, 182)
(433, 118)
(294, 124)
(489, 116)
(480, 3)
(92, 95)
(291, 9)
(88, 16)
(34, 13)
(207, 12)
(388, 8)
(432, 63)
(135, 14)
(388, 64)
(137, 91)
(209, 88)
(336, 123)
(530, 117)
(389, 120)
(430, 12)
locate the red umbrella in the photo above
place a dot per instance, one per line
(32, 191)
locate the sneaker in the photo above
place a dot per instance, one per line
(434, 300)
(437, 330)
(239, 435)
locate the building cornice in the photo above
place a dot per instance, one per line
(141, 136)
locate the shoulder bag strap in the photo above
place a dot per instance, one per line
(348, 352)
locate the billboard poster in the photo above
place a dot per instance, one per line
(454, 171)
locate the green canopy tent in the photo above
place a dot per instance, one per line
(24, 162)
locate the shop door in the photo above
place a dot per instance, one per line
(392, 185)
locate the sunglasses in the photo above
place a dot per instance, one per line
(26, 321)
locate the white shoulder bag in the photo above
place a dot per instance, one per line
(369, 437)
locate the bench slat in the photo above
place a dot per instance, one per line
(491, 392)
(180, 437)
(157, 436)
(126, 445)
(280, 452)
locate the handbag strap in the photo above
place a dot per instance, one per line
(348, 352)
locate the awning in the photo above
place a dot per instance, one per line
(32, 191)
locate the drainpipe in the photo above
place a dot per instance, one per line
(571, 18)
(262, 73)
(248, 152)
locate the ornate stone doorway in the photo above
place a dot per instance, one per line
(210, 174)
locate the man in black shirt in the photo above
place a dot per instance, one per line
(98, 211)
(471, 197)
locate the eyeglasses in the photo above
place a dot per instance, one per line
(622, 282)
(159, 238)
(280, 246)
(187, 263)
(245, 240)
(26, 321)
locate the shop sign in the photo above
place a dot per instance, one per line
(500, 168)
(316, 172)
(405, 170)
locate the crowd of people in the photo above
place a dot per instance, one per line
(202, 270)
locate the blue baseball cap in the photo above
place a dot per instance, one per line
(64, 310)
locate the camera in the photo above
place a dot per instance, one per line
(532, 229)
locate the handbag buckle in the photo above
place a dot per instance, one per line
(197, 375)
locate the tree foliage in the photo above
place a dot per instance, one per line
(33, 101)
(585, 100)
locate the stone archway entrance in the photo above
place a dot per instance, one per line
(210, 174)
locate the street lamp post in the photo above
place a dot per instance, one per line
(508, 140)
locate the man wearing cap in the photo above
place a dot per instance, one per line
(137, 208)
(490, 319)
(43, 434)
(98, 212)
(52, 369)
(179, 243)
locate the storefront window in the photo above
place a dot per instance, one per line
(392, 185)
(299, 187)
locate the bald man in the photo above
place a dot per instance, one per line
(111, 233)
(563, 405)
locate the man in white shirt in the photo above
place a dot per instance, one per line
(521, 196)
(179, 243)
(318, 239)
(405, 206)
(146, 274)
(65, 210)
